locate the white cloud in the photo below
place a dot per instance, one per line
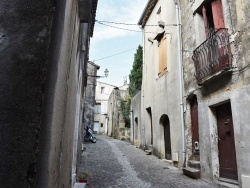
(122, 11)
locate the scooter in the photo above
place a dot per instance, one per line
(89, 136)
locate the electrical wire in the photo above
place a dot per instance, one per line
(128, 29)
(121, 23)
(114, 54)
(124, 28)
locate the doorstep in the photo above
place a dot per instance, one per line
(79, 185)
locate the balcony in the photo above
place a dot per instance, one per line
(213, 57)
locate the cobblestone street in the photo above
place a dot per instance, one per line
(113, 163)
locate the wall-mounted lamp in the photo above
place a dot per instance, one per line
(106, 72)
(151, 40)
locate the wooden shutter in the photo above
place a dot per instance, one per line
(218, 14)
(162, 56)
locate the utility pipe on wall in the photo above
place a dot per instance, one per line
(180, 78)
(132, 125)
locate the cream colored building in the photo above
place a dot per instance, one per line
(160, 122)
(102, 93)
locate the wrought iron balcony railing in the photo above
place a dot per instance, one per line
(213, 55)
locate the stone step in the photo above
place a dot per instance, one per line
(148, 152)
(192, 172)
(193, 164)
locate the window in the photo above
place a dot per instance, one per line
(101, 124)
(98, 108)
(102, 90)
(162, 56)
(212, 13)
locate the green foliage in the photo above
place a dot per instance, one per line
(83, 175)
(135, 76)
(125, 110)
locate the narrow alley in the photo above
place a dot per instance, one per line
(114, 163)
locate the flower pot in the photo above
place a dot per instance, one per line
(83, 180)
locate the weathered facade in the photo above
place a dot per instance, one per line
(43, 54)
(89, 103)
(135, 120)
(102, 93)
(161, 128)
(116, 123)
(215, 38)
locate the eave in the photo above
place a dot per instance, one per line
(147, 12)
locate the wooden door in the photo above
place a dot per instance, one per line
(226, 144)
(195, 125)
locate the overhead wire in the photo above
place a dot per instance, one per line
(122, 23)
(129, 29)
(124, 28)
(114, 54)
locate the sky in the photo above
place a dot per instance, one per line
(108, 41)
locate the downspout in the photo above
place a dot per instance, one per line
(180, 79)
(143, 90)
(132, 125)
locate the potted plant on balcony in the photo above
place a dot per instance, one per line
(83, 177)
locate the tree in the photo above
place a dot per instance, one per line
(135, 76)
(125, 110)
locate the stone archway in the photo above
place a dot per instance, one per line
(164, 121)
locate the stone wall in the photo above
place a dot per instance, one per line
(233, 88)
(41, 91)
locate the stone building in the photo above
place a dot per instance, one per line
(43, 53)
(89, 103)
(116, 124)
(102, 93)
(215, 38)
(161, 119)
(214, 70)
(135, 119)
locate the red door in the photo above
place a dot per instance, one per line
(195, 126)
(226, 144)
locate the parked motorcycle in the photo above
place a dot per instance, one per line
(89, 136)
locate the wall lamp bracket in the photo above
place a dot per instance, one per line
(106, 72)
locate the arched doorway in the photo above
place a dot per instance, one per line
(151, 125)
(136, 129)
(164, 121)
(195, 126)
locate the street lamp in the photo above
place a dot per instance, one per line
(106, 72)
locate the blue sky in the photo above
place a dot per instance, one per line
(108, 41)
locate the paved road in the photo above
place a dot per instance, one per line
(112, 163)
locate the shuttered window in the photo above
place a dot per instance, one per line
(162, 56)
(218, 14)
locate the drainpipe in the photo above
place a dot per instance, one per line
(132, 125)
(180, 78)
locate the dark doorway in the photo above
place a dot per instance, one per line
(226, 144)
(150, 116)
(195, 125)
(136, 129)
(167, 139)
